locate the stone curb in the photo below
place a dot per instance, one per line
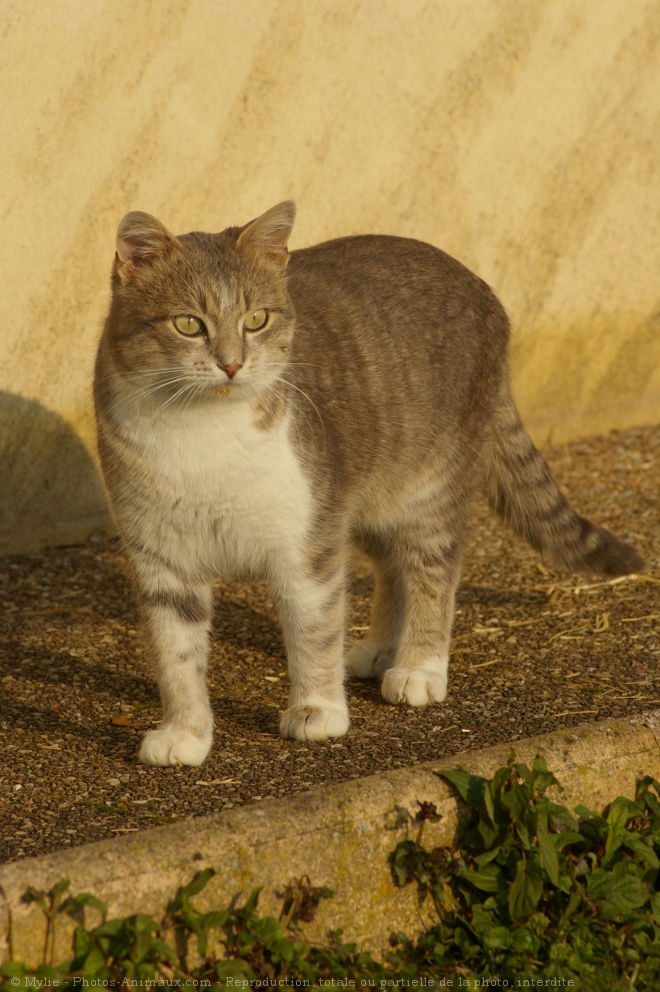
(339, 836)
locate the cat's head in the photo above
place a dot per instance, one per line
(201, 312)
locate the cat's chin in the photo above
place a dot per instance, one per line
(236, 389)
(223, 389)
(170, 746)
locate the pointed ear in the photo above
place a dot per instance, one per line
(140, 239)
(270, 232)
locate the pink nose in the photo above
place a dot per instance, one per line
(231, 370)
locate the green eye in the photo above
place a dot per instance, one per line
(189, 325)
(255, 320)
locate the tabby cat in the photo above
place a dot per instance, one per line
(266, 414)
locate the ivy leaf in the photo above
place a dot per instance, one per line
(487, 879)
(641, 847)
(517, 801)
(547, 849)
(616, 892)
(404, 862)
(542, 778)
(620, 811)
(471, 788)
(655, 907)
(13, 969)
(591, 824)
(645, 795)
(478, 793)
(216, 918)
(488, 856)
(567, 839)
(197, 883)
(74, 904)
(94, 961)
(491, 934)
(525, 892)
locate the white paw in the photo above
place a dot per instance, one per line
(414, 686)
(314, 723)
(169, 746)
(367, 660)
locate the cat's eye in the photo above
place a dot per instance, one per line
(255, 320)
(189, 325)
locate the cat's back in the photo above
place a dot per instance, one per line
(385, 269)
(373, 304)
(399, 347)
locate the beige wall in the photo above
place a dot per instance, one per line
(519, 135)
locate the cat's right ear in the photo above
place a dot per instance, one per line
(140, 239)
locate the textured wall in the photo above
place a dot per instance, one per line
(524, 138)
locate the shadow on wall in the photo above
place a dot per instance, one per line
(50, 489)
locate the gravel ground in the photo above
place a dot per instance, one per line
(533, 651)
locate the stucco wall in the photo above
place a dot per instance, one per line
(521, 137)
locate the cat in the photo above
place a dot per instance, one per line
(268, 414)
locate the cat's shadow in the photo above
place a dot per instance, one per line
(50, 488)
(232, 614)
(250, 636)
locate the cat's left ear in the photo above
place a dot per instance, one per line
(270, 232)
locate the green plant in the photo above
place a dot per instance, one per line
(184, 948)
(532, 896)
(537, 892)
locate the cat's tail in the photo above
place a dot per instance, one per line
(521, 489)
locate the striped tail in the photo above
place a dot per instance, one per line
(521, 489)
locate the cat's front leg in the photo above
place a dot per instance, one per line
(178, 620)
(312, 616)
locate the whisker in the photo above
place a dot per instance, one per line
(263, 394)
(152, 388)
(179, 393)
(195, 393)
(141, 373)
(309, 400)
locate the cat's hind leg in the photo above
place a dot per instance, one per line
(368, 658)
(178, 620)
(431, 562)
(312, 616)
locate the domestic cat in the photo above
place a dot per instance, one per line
(262, 413)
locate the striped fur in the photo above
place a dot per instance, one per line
(353, 417)
(521, 489)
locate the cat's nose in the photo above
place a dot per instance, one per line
(231, 369)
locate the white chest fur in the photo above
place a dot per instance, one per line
(228, 498)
